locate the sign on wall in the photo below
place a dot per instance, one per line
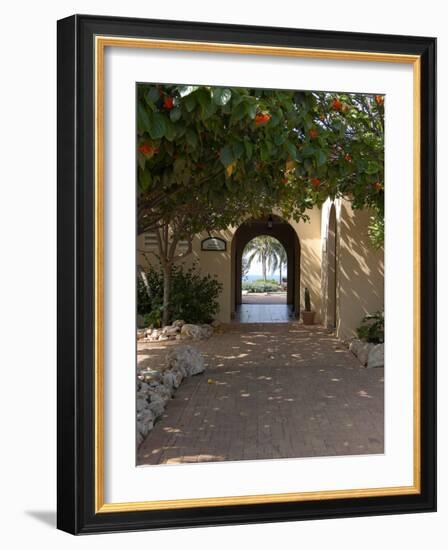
(214, 244)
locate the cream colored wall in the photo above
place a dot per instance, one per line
(309, 234)
(217, 264)
(360, 270)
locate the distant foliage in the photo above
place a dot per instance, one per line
(194, 297)
(261, 286)
(372, 328)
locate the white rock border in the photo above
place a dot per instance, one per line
(156, 387)
(370, 355)
(179, 330)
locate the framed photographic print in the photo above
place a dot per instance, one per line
(246, 274)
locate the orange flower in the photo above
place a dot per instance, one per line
(313, 133)
(348, 157)
(378, 186)
(336, 104)
(168, 102)
(262, 118)
(146, 149)
(315, 182)
(379, 99)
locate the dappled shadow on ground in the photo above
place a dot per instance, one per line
(270, 391)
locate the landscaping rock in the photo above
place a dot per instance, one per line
(191, 331)
(196, 332)
(376, 356)
(170, 331)
(186, 357)
(156, 387)
(178, 323)
(361, 350)
(207, 331)
(141, 404)
(149, 375)
(157, 406)
(172, 378)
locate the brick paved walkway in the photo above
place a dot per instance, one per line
(269, 391)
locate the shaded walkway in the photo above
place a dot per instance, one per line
(269, 391)
(263, 313)
(260, 298)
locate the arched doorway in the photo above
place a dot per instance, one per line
(332, 269)
(282, 231)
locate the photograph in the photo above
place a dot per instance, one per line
(259, 273)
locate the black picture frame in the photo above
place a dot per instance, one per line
(76, 255)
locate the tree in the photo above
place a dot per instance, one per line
(279, 259)
(209, 157)
(264, 249)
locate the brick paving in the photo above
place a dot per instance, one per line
(269, 391)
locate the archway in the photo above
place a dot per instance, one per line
(332, 268)
(282, 231)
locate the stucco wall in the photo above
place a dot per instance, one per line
(309, 234)
(360, 268)
(219, 263)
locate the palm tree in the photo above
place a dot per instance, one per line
(268, 251)
(279, 259)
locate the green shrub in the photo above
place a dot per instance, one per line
(261, 287)
(194, 297)
(372, 328)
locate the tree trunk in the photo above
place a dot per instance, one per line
(280, 273)
(167, 270)
(144, 278)
(263, 266)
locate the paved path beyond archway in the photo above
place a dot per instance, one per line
(269, 391)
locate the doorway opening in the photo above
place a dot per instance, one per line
(265, 271)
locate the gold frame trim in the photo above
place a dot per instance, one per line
(101, 42)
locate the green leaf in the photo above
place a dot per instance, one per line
(179, 165)
(143, 118)
(185, 91)
(175, 114)
(141, 160)
(249, 149)
(221, 96)
(238, 112)
(372, 167)
(226, 156)
(292, 150)
(190, 103)
(279, 138)
(321, 157)
(264, 151)
(308, 151)
(170, 130)
(156, 125)
(144, 180)
(152, 95)
(192, 137)
(238, 149)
